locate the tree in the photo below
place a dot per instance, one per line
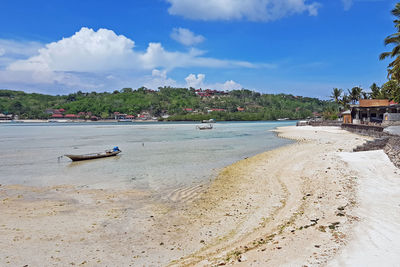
(345, 101)
(394, 39)
(336, 93)
(375, 91)
(355, 94)
(391, 90)
(366, 95)
(126, 90)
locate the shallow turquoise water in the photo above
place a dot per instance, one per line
(156, 156)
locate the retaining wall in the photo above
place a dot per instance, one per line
(369, 130)
(388, 142)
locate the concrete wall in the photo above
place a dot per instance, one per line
(325, 123)
(376, 131)
(386, 141)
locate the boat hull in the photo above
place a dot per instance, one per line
(92, 156)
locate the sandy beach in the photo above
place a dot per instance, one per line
(311, 203)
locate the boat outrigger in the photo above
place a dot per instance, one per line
(108, 153)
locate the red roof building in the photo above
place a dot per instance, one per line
(57, 116)
(70, 116)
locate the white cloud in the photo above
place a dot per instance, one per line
(157, 79)
(186, 37)
(103, 50)
(230, 85)
(198, 81)
(159, 73)
(347, 4)
(253, 10)
(195, 82)
(86, 50)
(101, 60)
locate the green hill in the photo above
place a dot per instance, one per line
(179, 103)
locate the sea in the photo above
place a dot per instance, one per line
(158, 156)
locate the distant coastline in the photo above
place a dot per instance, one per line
(164, 104)
(120, 122)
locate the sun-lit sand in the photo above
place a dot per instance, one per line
(310, 203)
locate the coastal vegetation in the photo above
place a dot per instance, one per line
(178, 103)
(389, 90)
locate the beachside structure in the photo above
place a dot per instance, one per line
(71, 116)
(216, 110)
(373, 111)
(5, 117)
(347, 117)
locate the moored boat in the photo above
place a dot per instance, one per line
(209, 121)
(204, 127)
(108, 153)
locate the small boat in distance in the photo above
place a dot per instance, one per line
(204, 127)
(208, 121)
(125, 120)
(108, 153)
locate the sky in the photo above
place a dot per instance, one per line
(299, 47)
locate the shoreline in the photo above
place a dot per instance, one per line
(294, 205)
(288, 211)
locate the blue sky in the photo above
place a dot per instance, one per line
(291, 46)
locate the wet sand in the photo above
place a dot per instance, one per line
(296, 205)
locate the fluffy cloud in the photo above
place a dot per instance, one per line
(186, 37)
(103, 50)
(86, 50)
(253, 10)
(198, 81)
(229, 85)
(157, 79)
(100, 60)
(195, 82)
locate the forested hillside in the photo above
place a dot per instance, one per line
(178, 103)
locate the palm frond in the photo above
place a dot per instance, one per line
(384, 55)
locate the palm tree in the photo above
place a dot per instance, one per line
(375, 91)
(355, 94)
(345, 101)
(336, 93)
(394, 66)
(365, 95)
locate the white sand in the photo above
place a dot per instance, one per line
(376, 238)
